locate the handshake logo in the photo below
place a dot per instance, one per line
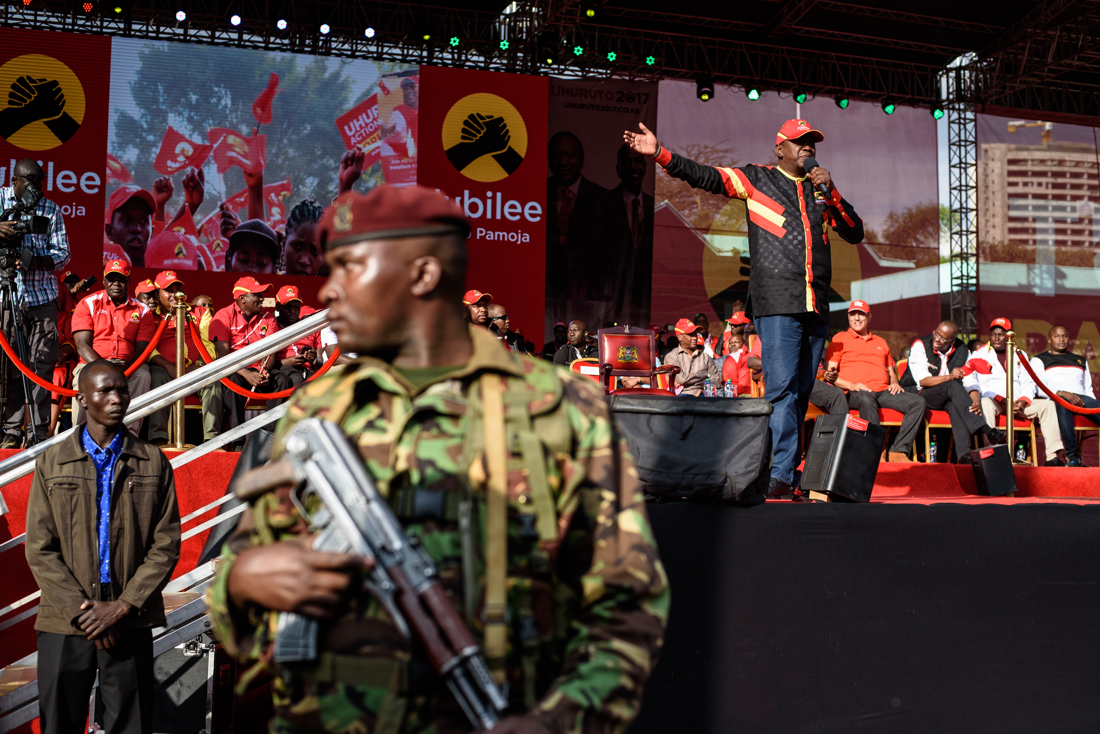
(484, 137)
(45, 102)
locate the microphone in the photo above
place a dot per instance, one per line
(809, 165)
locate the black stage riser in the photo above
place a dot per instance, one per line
(878, 619)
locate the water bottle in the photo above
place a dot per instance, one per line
(1021, 452)
(729, 390)
(932, 452)
(708, 389)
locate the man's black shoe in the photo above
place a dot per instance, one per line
(11, 441)
(996, 436)
(778, 489)
(1074, 460)
(1055, 462)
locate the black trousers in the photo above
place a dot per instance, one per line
(829, 398)
(912, 407)
(67, 666)
(276, 381)
(953, 397)
(43, 350)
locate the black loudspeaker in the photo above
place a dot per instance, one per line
(843, 457)
(193, 689)
(993, 470)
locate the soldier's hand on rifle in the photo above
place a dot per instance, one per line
(289, 576)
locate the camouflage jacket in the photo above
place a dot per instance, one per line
(586, 620)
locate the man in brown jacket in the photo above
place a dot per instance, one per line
(103, 535)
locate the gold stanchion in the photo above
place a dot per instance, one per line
(181, 368)
(1010, 400)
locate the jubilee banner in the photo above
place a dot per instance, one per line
(483, 143)
(53, 108)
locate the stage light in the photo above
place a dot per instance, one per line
(88, 7)
(578, 50)
(26, 3)
(842, 102)
(118, 9)
(704, 88)
(455, 41)
(325, 29)
(888, 106)
(280, 24)
(369, 33)
(650, 60)
(180, 15)
(504, 45)
(937, 110)
(752, 93)
(800, 97)
(426, 37)
(235, 20)
(591, 8)
(611, 56)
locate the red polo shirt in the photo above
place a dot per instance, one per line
(313, 341)
(115, 329)
(865, 359)
(166, 347)
(230, 325)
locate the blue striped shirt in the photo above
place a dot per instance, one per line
(40, 286)
(105, 461)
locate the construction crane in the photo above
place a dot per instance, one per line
(1048, 128)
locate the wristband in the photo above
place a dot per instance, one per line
(658, 152)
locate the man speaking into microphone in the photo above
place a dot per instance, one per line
(789, 207)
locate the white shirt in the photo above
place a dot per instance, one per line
(919, 365)
(1064, 377)
(993, 385)
(328, 339)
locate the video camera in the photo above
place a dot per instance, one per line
(33, 224)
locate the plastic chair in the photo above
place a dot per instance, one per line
(628, 351)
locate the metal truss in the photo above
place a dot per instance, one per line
(963, 192)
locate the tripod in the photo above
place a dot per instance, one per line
(10, 316)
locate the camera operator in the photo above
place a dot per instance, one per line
(37, 299)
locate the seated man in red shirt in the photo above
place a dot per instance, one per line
(865, 368)
(234, 327)
(111, 325)
(299, 359)
(735, 365)
(162, 365)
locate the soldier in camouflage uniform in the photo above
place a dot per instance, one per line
(587, 595)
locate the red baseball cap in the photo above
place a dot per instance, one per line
(793, 129)
(145, 286)
(117, 266)
(859, 306)
(171, 249)
(476, 296)
(248, 284)
(687, 326)
(287, 294)
(1002, 322)
(166, 278)
(738, 318)
(123, 194)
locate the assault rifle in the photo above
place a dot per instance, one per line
(355, 518)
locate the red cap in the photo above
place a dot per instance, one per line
(686, 326)
(117, 266)
(389, 212)
(738, 318)
(859, 306)
(123, 194)
(145, 286)
(166, 278)
(248, 284)
(793, 129)
(172, 249)
(476, 296)
(287, 294)
(1002, 322)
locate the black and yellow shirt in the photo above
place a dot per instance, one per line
(788, 241)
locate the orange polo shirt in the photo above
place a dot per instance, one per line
(865, 359)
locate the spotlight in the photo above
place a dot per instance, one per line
(547, 51)
(937, 110)
(426, 36)
(26, 3)
(180, 15)
(842, 102)
(704, 88)
(611, 56)
(578, 50)
(118, 9)
(752, 93)
(325, 29)
(800, 97)
(280, 24)
(504, 45)
(888, 106)
(650, 60)
(88, 7)
(591, 8)
(369, 33)
(235, 20)
(454, 41)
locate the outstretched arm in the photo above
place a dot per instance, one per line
(729, 182)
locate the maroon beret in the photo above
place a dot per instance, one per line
(389, 212)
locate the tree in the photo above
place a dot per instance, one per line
(705, 211)
(194, 88)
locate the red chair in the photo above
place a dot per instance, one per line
(1082, 426)
(629, 351)
(586, 366)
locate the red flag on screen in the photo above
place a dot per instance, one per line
(238, 200)
(177, 152)
(360, 127)
(185, 224)
(116, 171)
(261, 108)
(233, 149)
(274, 196)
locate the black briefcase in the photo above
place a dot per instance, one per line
(993, 470)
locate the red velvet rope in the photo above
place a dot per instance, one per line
(64, 390)
(278, 395)
(1054, 395)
